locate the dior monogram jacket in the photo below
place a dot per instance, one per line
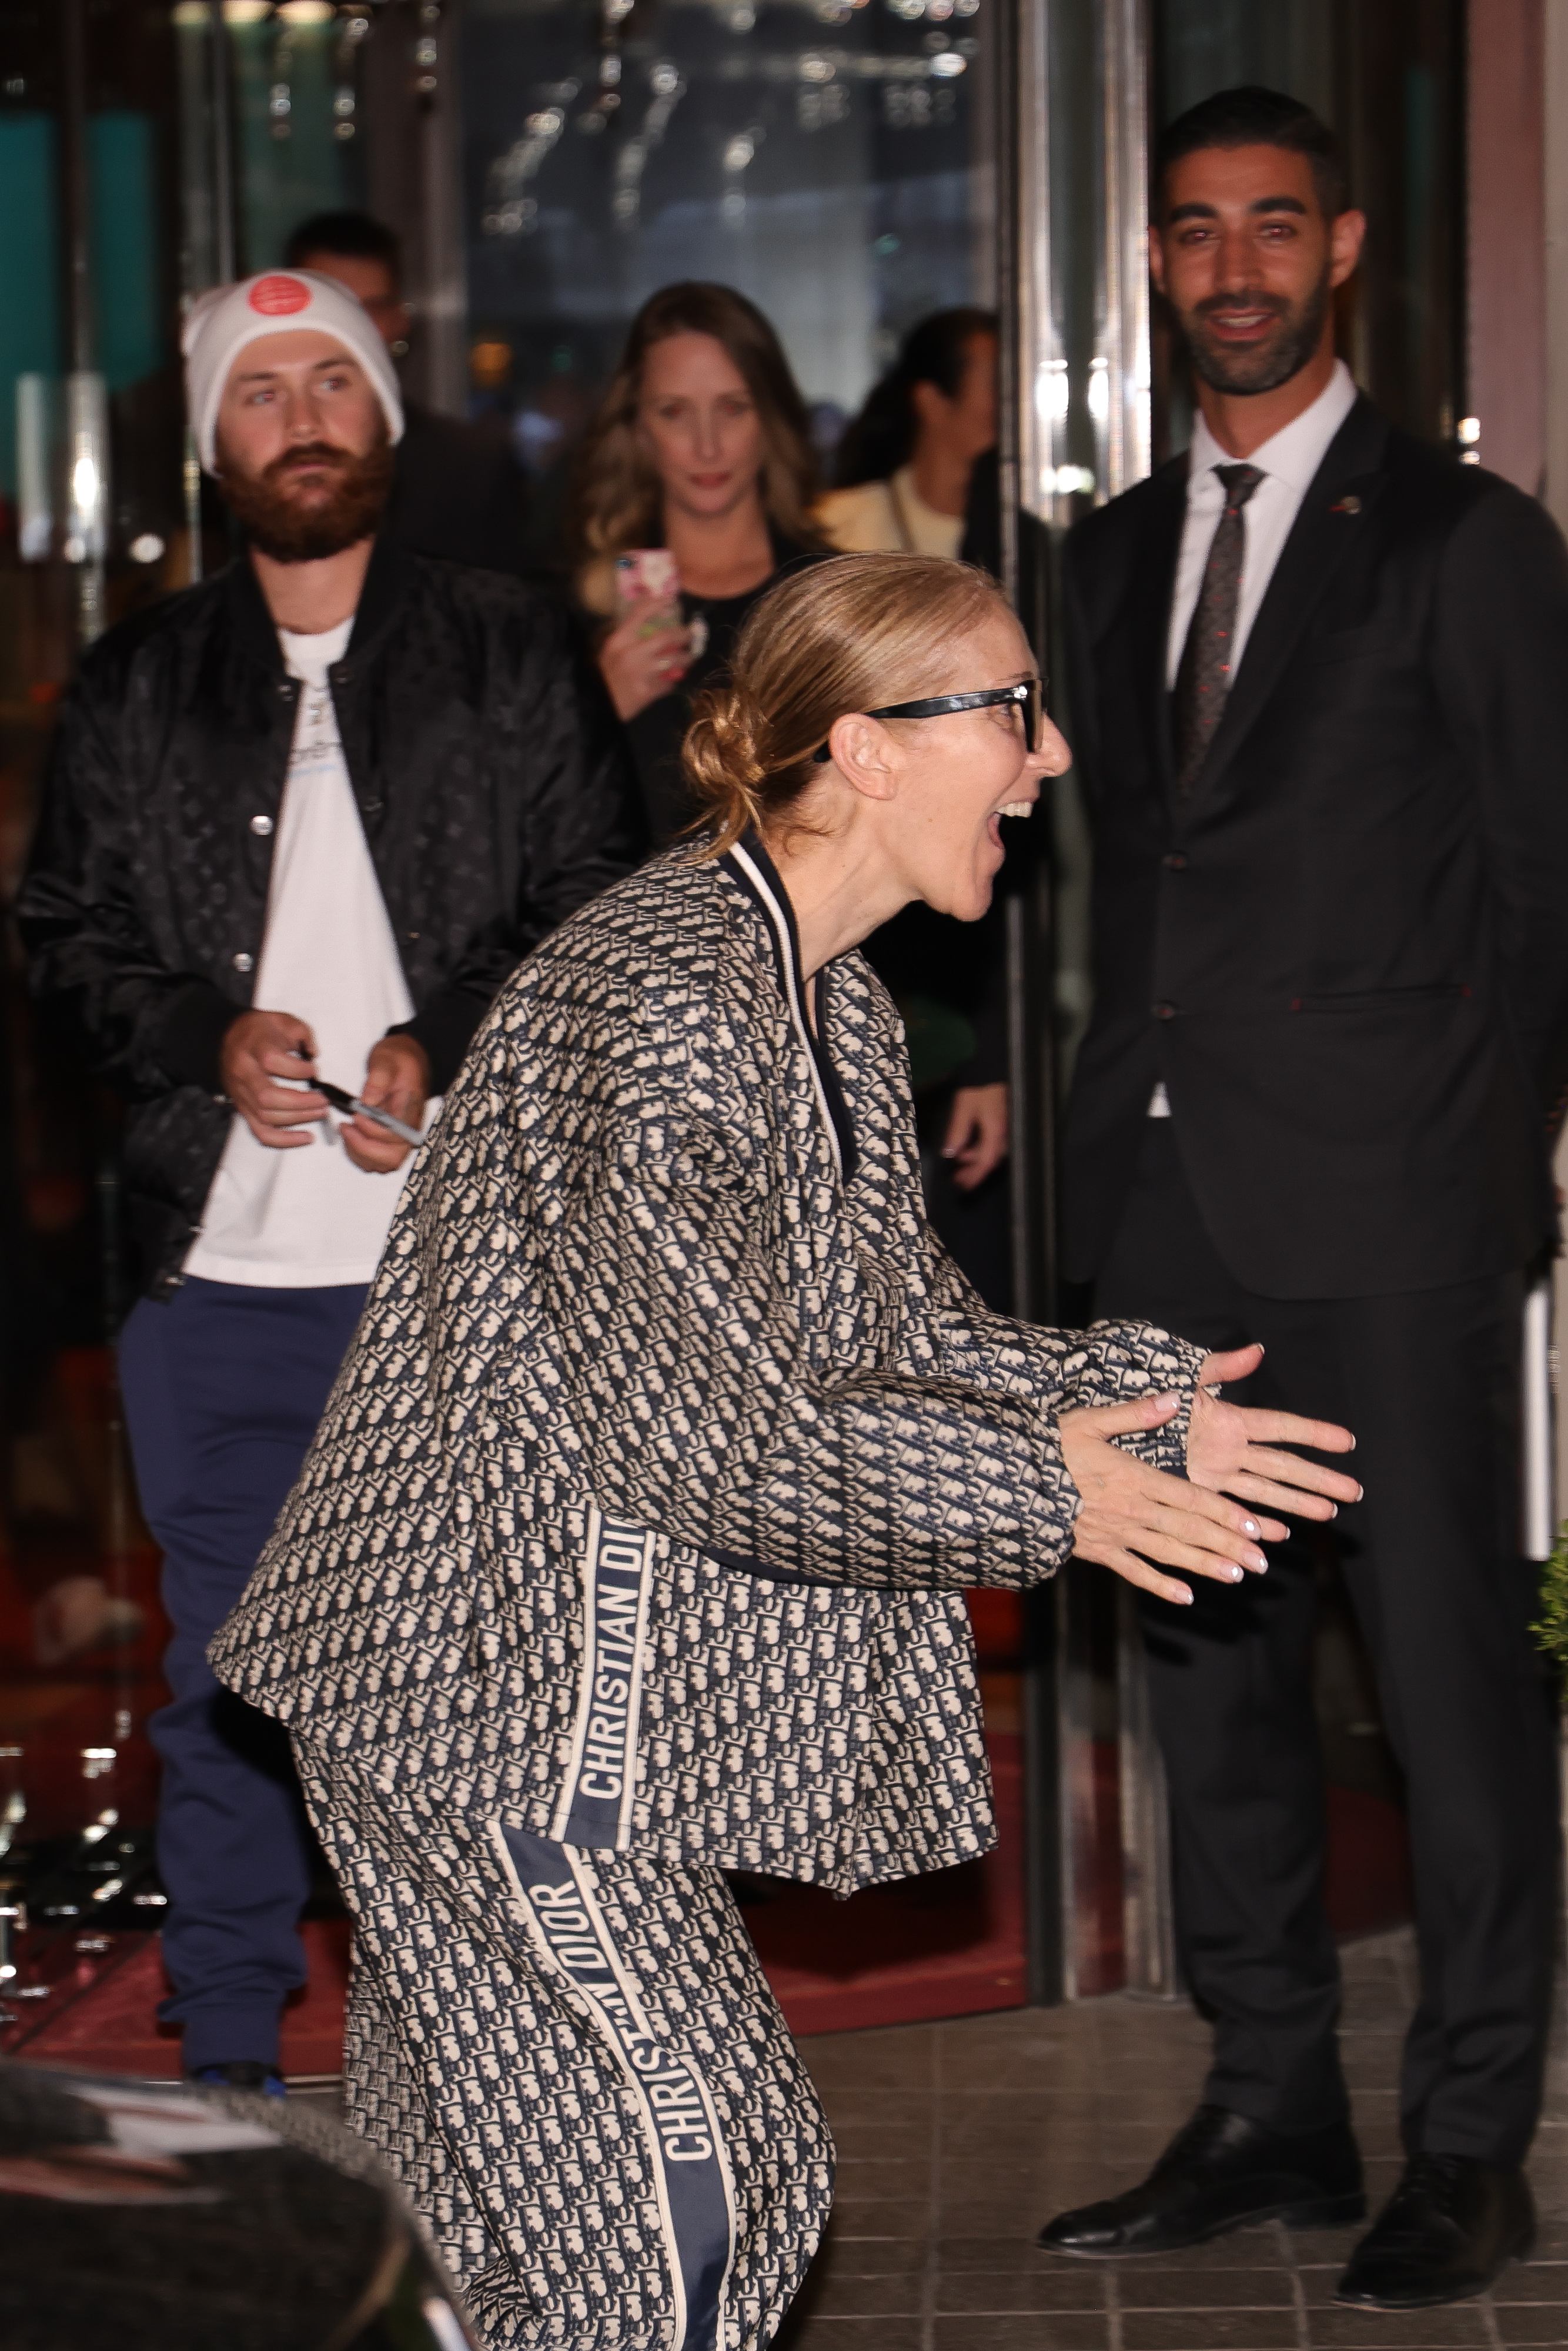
(642, 1509)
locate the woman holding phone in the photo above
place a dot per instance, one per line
(701, 450)
(631, 1549)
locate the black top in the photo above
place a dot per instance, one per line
(457, 494)
(656, 734)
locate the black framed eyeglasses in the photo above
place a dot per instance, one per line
(1030, 695)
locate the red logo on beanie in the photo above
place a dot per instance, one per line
(275, 298)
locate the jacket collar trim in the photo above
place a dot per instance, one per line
(386, 583)
(749, 864)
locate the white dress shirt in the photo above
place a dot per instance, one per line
(1288, 463)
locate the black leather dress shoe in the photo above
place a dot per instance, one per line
(1451, 2224)
(1221, 2172)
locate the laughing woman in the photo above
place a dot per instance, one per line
(633, 1546)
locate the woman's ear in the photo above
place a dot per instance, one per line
(930, 402)
(865, 755)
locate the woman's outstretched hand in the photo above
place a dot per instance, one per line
(1199, 1523)
(1231, 1449)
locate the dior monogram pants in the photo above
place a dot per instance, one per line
(573, 2063)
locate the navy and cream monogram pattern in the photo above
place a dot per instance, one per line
(635, 1533)
(574, 2064)
(628, 1287)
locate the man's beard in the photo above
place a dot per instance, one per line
(292, 529)
(1284, 353)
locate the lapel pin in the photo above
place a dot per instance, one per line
(1346, 505)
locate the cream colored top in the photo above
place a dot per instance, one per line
(887, 518)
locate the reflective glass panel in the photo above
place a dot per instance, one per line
(827, 160)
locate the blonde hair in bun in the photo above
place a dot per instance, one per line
(853, 632)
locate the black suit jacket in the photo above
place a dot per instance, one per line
(457, 494)
(1346, 953)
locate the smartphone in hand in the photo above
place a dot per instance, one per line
(647, 581)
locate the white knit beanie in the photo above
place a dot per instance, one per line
(220, 324)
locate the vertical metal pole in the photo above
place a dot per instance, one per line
(87, 438)
(1019, 133)
(1539, 1516)
(223, 149)
(1124, 38)
(74, 176)
(1148, 1924)
(1005, 147)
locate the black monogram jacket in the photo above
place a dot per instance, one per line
(490, 780)
(641, 1509)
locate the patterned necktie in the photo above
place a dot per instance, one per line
(1203, 679)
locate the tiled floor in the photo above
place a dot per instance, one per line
(955, 2141)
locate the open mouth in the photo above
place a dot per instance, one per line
(1238, 325)
(994, 821)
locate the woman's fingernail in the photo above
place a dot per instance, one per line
(1236, 1574)
(1360, 1491)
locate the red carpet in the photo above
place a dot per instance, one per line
(107, 2016)
(948, 1944)
(944, 1945)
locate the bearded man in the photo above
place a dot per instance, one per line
(1319, 700)
(301, 822)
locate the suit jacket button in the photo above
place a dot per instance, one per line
(1163, 1011)
(262, 825)
(243, 962)
(1175, 859)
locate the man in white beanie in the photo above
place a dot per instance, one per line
(300, 823)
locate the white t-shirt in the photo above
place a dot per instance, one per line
(308, 1220)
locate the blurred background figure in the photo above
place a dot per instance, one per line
(395, 776)
(911, 474)
(458, 491)
(904, 463)
(701, 446)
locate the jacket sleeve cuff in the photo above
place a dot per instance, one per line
(1123, 1360)
(191, 1039)
(446, 1029)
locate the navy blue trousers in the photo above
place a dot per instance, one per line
(224, 1388)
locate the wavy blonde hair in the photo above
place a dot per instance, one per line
(855, 633)
(617, 496)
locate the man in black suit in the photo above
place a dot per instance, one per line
(1319, 699)
(457, 491)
